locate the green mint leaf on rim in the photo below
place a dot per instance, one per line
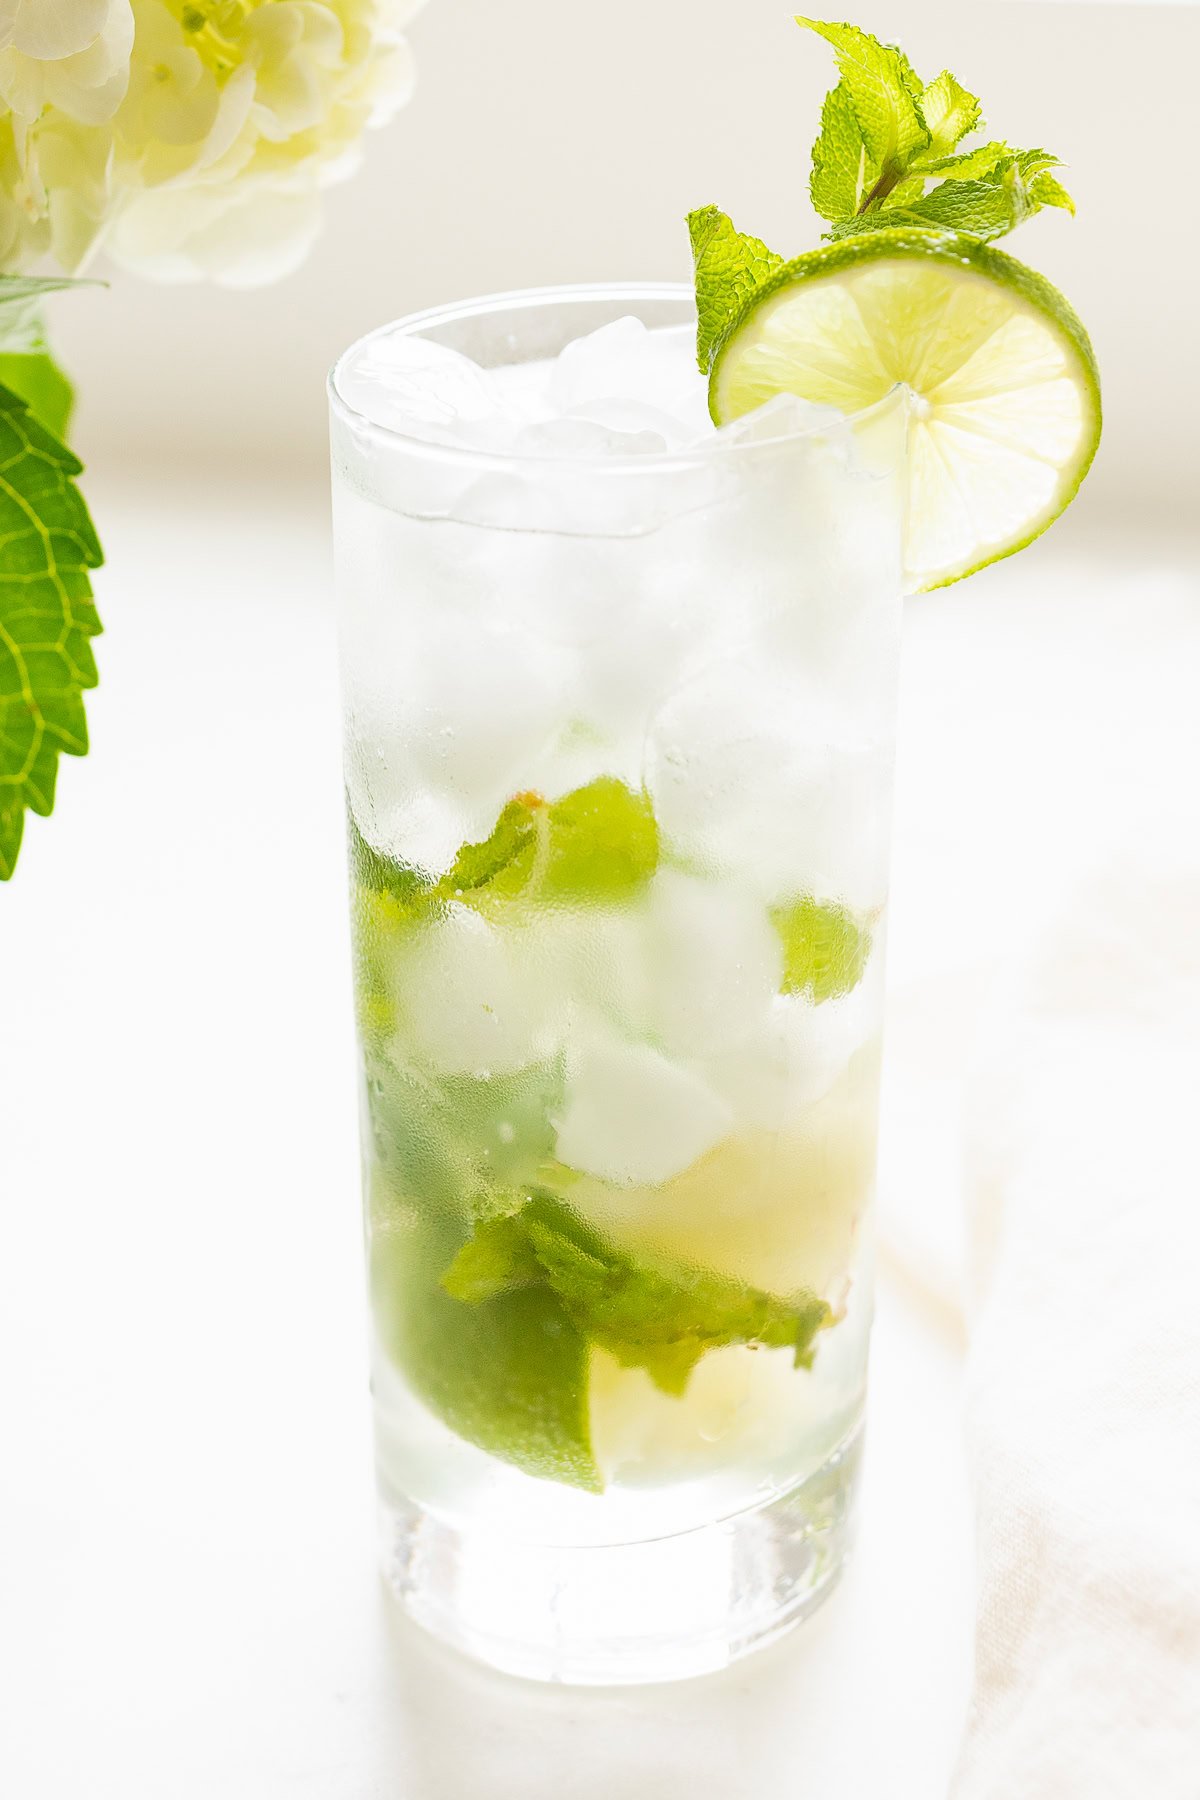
(884, 137)
(649, 1317)
(1017, 186)
(970, 165)
(728, 265)
(949, 112)
(825, 948)
(47, 617)
(882, 92)
(843, 172)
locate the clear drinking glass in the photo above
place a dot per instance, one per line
(619, 739)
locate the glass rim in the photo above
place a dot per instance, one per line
(705, 452)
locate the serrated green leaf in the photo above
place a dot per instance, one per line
(47, 618)
(949, 112)
(36, 378)
(883, 90)
(842, 172)
(647, 1316)
(825, 948)
(1046, 190)
(971, 165)
(728, 265)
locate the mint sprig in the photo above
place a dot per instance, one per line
(887, 155)
(648, 1316)
(897, 134)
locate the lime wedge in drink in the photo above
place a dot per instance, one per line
(1004, 414)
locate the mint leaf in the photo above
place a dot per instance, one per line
(498, 1258)
(987, 206)
(598, 843)
(949, 112)
(650, 1317)
(47, 546)
(602, 844)
(842, 171)
(1047, 190)
(728, 265)
(825, 948)
(970, 165)
(479, 865)
(884, 137)
(883, 91)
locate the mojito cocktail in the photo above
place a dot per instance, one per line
(619, 750)
(620, 581)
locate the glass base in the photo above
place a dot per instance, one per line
(615, 1614)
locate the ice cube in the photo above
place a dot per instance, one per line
(795, 1054)
(633, 418)
(470, 999)
(631, 1116)
(585, 437)
(411, 384)
(783, 416)
(623, 361)
(714, 963)
(762, 777)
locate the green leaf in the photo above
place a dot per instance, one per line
(478, 865)
(825, 948)
(602, 844)
(1046, 190)
(842, 172)
(970, 165)
(987, 208)
(47, 546)
(36, 379)
(728, 265)
(883, 90)
(650, 1317)
(884, 137)
(949, 112)
(598, 843)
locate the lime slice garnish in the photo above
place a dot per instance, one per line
(1005, 394)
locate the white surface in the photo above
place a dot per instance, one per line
(188, 1597)
(1084, 1392)
(188, 1602)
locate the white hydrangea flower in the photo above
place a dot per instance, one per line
(72, 55)
(233, 116)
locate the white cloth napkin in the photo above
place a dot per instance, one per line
(1040, 1166)
(1083, 1177)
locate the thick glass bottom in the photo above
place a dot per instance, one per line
(615, 1614)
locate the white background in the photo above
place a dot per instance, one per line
(188, 1606)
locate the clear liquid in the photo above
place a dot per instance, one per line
(618, 768)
